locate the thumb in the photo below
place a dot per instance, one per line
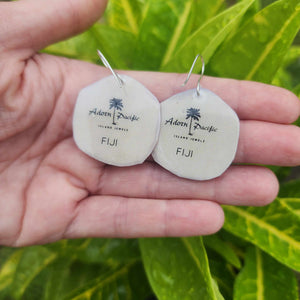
(34, 24)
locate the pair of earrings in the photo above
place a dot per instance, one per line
(193, 134)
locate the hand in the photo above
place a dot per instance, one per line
(51, 190)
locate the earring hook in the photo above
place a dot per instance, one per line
(201, 75)
(107, 65)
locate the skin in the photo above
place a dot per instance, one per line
(50, 190)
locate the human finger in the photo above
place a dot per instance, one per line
(239, 185)
(268, 144)
(251, 100)
(107, 216)
(261, 142)
(33, 25)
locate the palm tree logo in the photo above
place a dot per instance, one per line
(116, 104)
(192, 114)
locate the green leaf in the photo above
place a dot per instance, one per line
(77, 280)
(112, 252)
(125, 15)
(177, 268)
(290, 189)
(30, 263)
(238, 244)
(292, 55)
(109, 40)
(165, 24)
(81, 47)
(293, 204)
(116, 45)
(109, 251)
(274, 228)
(205, 10)
(222, 272)
(124, 282)
(256, 6)
(206, 39)
(217, 244)
(9, 261)
(253, 9)
(296, 90)
(58, 270)
(257, 50)
(264, 278)
(283, 79)
(82, 280)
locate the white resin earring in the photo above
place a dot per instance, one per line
(198, 135)
(116, 120)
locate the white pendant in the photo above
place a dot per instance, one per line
(116, 124)
(198, 135)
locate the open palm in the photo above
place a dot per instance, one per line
(51, 190)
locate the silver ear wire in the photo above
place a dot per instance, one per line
(201, 75)
(107, 65)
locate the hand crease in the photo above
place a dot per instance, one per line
(166, 216)
(153, 181)
(100, 182)
(80, 186)
(24, 210)
(64, 234)
(120, 218)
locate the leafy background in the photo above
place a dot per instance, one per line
(257, 253)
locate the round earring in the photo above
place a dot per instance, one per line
(199, 133)
(116, 120)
